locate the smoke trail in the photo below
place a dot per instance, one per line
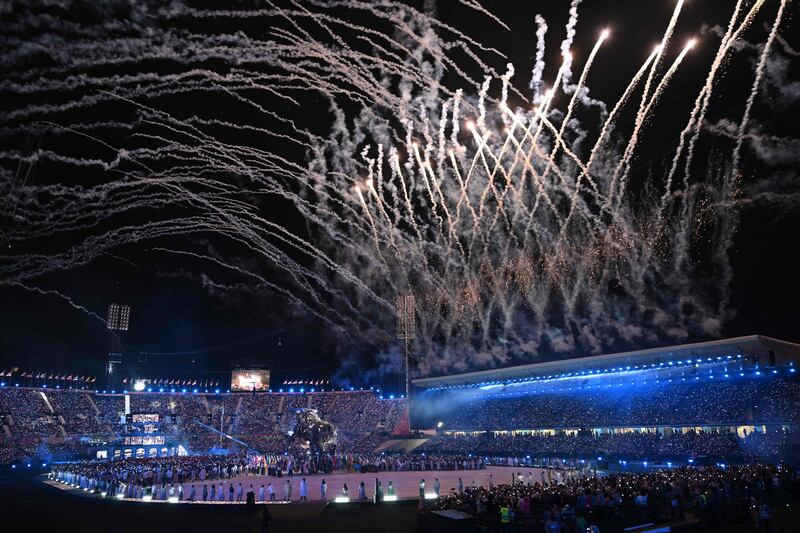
(762, 61)
(566, 44)
(538, 66)
(64, 297)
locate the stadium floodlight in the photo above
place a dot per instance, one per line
(406, 308)
(138, 386)
(112, 317)
(118, 317)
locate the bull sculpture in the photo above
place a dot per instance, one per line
(319, 434)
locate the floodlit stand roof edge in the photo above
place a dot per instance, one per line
(785, 353)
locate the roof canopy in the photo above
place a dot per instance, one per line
(752, 345)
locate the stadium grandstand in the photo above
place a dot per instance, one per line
(727, 400)
(732, 400)
(50, 424)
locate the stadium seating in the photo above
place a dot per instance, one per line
(38, 421)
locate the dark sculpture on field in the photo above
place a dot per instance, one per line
(319, 435)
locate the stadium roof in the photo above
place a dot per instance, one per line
(751, 345)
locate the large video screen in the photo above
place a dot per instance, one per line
(247, 380)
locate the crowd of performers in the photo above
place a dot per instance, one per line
(363, 463)
(567, 497)
(212, 478)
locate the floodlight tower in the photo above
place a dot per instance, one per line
(406, 308)
(117, 321)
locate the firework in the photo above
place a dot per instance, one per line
(511, 236)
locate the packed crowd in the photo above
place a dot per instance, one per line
(301, 464)
(727, 445)
(28, 412)
(35, 421)
(618, 501)
(413, 462)
(35, 418)
(697, 403)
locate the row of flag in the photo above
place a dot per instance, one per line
(306, 382)
(175, 382)
(51, 376)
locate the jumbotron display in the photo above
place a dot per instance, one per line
(248, 380)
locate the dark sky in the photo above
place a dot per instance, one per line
(175, 314)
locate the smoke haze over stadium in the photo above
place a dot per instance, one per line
(201, 299)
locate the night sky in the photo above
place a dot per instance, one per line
(183, 322)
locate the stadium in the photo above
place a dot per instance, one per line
(712, 402)
(724, 404)
(399, 265)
